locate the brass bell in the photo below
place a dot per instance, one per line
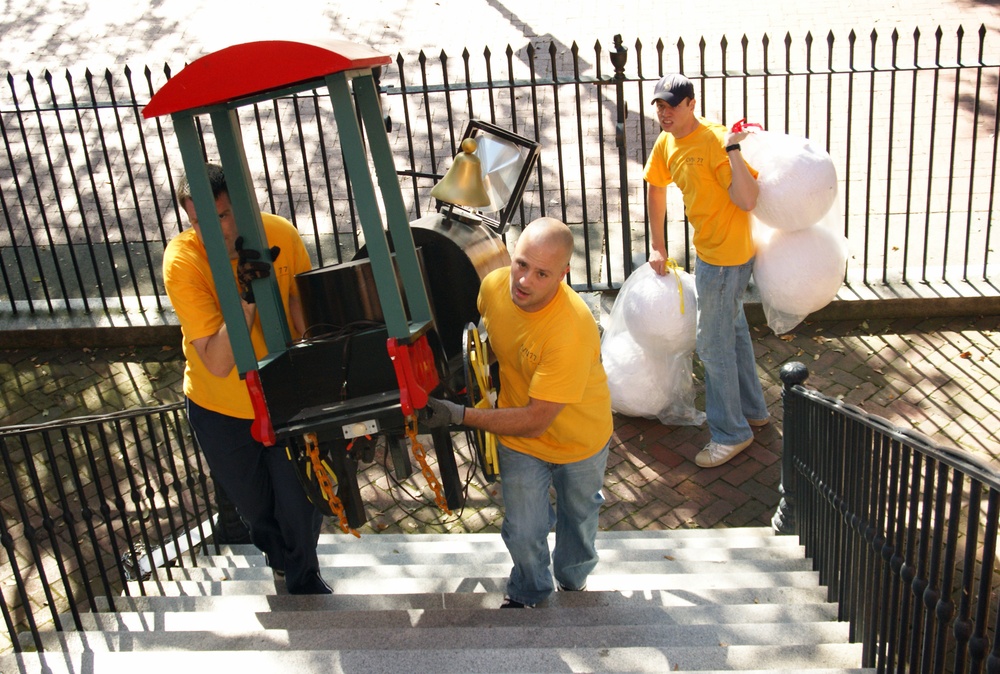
(463, 184)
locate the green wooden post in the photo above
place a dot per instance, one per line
(215, 244)
(248, 223)
(392, 196)
(356, 162)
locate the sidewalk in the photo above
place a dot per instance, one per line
(938, 376)
(96, 35)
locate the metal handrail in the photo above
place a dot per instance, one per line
(902, 531)
(93, 502)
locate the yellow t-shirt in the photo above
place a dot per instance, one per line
(188, 280)
(699, 166)
(553, 354)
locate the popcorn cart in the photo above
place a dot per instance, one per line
(389, 328)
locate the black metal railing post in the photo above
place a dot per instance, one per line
(619, 57)
(783, 521)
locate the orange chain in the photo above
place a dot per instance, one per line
(421, 456)
(325, 485)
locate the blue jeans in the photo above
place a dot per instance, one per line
(262, 484)
(733, 392)
(529, 516)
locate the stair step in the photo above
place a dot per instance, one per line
(405, 556)
(606, 540)
(769, 594)
(227, 621)
(377, 570)
(538, 634)
(748, 659)
(623, 534)
(459, 583)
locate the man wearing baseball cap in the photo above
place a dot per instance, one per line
(703, 159)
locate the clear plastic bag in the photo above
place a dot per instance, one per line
(648, 347)
(797, 179)
(801, 258)
(798, 271)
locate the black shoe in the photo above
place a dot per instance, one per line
(510, 603)
(313, 585)
(566, 588)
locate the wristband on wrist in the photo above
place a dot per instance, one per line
(730, 148)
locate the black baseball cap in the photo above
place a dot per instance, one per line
(673, 89)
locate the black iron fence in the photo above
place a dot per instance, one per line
(903, 533)
(87, 185)
(89, 504)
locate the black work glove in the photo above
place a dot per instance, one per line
(443, 413)
(250, 267)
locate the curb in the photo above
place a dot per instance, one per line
(69, 333)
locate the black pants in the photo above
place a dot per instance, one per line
(262, 483)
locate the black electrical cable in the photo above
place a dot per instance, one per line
(456, 516)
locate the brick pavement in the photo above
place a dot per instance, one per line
(939, 376)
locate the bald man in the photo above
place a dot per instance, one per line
(553, 418)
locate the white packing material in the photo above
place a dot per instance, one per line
(797, 179)
(797, 272)
(653, 379)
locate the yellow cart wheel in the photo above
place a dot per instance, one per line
(482, 394)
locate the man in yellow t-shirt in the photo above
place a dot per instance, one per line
(704, 160)
(260, 480)
(553, 417)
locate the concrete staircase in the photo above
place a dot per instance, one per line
(659, 601)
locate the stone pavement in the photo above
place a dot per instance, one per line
(939, 376)
(58, 35)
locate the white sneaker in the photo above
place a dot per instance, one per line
(715, 454)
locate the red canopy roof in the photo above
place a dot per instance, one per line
(253, 68)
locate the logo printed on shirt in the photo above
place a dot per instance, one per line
(528, 354)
